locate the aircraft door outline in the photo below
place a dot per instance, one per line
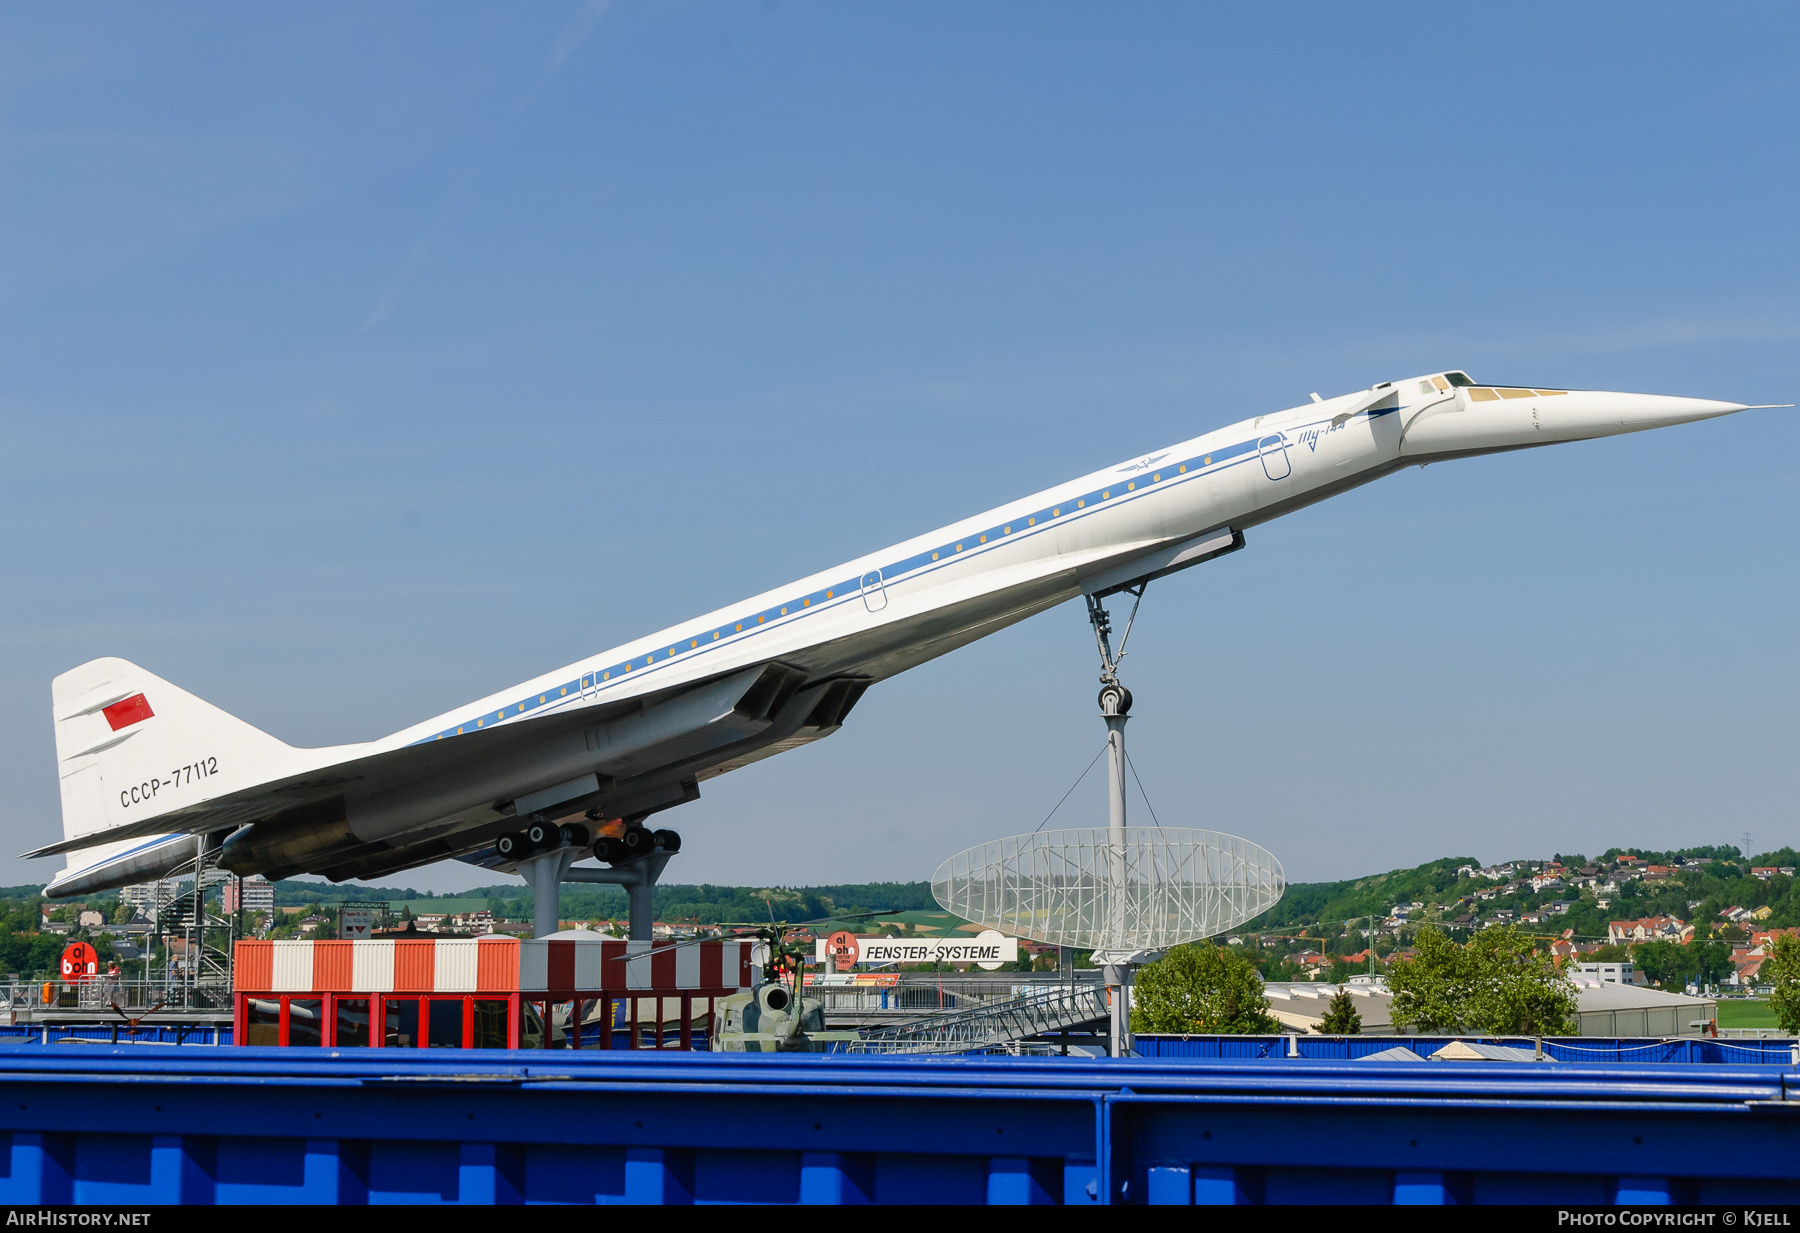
(874, 594)
(1273, 450)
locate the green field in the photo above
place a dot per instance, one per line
(924, 922)
(1746, 1013)
(434, 906)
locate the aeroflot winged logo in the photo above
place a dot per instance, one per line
(1144, 464)
(128, 711)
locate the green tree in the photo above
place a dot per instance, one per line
(1200, 989)
(1662, 963)
(122, 914)
(1782, 969)
(1341, 1017)
(1497, 984)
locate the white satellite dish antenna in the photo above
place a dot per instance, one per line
(1123, 893)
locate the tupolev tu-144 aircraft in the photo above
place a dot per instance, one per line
(580, 757)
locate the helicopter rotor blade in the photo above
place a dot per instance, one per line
(686, 942)
(755, 929)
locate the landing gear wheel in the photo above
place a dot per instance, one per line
(510, 847)
(539, 835)
(574, 834)
(608, 849)
(667, 841)
(636, 841)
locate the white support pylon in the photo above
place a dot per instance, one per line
(1115, 705)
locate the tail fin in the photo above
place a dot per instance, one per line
(130, 747)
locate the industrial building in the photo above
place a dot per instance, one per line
(1606, 1008)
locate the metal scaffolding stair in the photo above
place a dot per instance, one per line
(993, 1025)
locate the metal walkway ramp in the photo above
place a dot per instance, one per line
(991, 1025)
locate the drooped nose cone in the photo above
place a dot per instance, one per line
(1631, 412)
(1483, 418)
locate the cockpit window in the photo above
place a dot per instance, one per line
(1458, 378)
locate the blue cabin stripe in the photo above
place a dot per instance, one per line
(1082, 505)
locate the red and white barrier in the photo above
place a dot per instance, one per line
(494, 964)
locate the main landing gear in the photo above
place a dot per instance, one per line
(543, 855)
(615, 845)
(541, 836)
(633, 842)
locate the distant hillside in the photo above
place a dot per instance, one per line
(1714, 880)
(1306, 902)
(703, 904)
(1700, 885)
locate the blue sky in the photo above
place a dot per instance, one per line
(356, 361)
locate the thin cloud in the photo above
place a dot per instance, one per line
(415, 256)
(574, 33)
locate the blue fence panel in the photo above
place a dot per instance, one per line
(132, 1125)
(160, 1034)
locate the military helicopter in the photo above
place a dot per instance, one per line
(775, 1017)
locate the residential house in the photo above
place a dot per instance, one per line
(1765, 872)
(1746, 964)
(1650, 929)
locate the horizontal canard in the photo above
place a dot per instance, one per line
(494, 964)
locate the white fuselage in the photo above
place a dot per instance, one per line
(884, 612)
(1066, 536)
